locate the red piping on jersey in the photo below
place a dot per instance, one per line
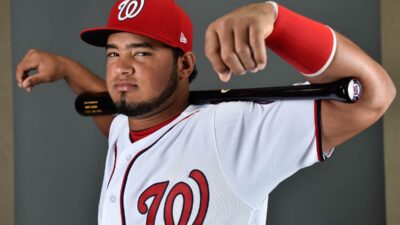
(115, 162)
(127, 171)
(137, 135)
(317, 123)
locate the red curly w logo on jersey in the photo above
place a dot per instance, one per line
(158, 191)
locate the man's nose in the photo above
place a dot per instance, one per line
(124, 67)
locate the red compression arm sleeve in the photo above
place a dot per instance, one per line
(307, 45)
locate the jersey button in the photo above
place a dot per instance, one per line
(113, 198)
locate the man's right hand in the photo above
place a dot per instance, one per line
(49, 68)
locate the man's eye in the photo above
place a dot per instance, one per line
(112, 54)
(142, 54)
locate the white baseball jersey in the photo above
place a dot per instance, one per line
(213, 164)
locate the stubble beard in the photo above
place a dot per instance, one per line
(147, 107)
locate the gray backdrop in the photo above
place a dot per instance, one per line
(59, 156)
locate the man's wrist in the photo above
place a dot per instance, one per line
(65, 65)
(275, 7)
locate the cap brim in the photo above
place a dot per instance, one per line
(98, 36)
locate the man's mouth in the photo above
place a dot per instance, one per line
(125, 87)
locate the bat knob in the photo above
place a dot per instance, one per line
(354, 90)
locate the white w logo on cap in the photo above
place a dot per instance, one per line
(129, 9)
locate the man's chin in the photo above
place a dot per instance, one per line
(136, 109)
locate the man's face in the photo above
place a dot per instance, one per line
(141, 74)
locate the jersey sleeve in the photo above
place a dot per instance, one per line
(261, 145)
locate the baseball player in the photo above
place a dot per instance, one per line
(170, 162)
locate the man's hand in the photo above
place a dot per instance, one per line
(49, 67)
(235, 43)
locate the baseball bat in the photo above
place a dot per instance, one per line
(347, 90)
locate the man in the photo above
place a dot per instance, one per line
(169, 161)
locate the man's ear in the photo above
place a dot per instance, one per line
(186, 64)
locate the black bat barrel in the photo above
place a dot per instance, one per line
(95, 104)
(346, 90)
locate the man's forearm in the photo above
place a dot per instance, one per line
(80, 79)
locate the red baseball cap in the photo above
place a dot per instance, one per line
(161, 20)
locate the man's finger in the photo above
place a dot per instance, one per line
(243, 48)
(27, 84)
(23, 73)
(225, 77)
(213, 52)
(258, 47)
(228, 52)
(32, 81)
(25, 68)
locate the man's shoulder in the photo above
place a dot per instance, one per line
(119, 120)
(119, 123)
